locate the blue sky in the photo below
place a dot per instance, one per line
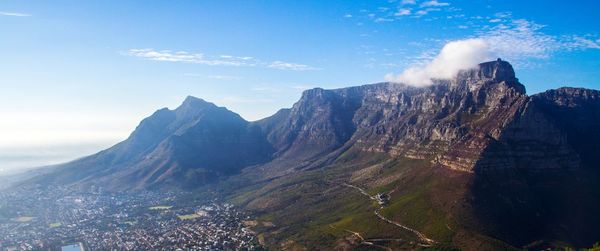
(77, 76)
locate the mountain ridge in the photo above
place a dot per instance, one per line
(465, 152)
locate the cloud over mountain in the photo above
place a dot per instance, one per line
(518, 41)
(455, 55)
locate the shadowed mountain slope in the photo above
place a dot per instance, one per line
(471, 162)
(195, 144)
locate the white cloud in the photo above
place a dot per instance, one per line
(456, 55)
(433, 3)
(503, 14)
(580, 42)
(14, 14)
(423, 12)
(280, 65)
(382, 20)
(186, 57)
(348, 15)
(264, 89)
(420, 13)
(520, 39)
(495, 20)
(302, 87)
(519, 42)
(224, 77)
(222, 60)
(242, 100)
(402, 12)
(406, 2)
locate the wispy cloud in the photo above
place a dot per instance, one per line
(290, 66)
(423, 12)
(224, 77)
(302, 87)
(264, 89)
(383, 20)
(402, 12)
(520, 41)
(195, 58)
(582, 42)
(433, 3)
(243, 100)
(14, 14)
(407, 2)
(222, 60)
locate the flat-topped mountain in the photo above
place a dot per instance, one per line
(472, 161)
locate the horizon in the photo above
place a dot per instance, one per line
(104, 66)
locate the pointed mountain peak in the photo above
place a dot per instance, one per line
(192, 102)
(192, 107)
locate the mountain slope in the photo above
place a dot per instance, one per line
(195, 144)
(471, 162)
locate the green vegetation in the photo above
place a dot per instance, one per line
(161, 207)
(595, 247)
(315, 210)
(188, 216)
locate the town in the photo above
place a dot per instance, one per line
(60, 218)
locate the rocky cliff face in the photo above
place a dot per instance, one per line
(465, 160)
(451, 123)
(479, 120)
(576, 112)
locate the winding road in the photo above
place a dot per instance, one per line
(420, 235)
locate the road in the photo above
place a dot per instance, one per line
(420, 235)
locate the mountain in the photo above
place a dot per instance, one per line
(195, 144)
(471, 162)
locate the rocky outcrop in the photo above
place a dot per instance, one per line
(450, 123)
(480, 120)
(576, 113)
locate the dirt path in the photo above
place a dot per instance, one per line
(421, 236)
(362, 240)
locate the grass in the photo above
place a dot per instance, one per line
(317, 219)
(55, 224)
(161, 207)
(188, 216)
(314, 210)
(412, 206)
